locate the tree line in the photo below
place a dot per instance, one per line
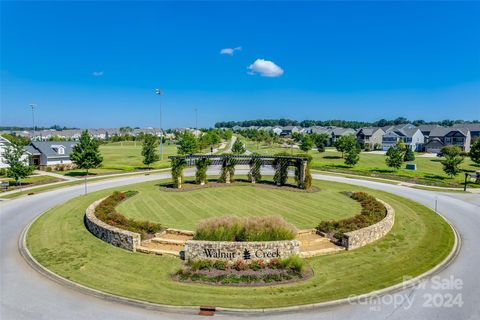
(336, 123)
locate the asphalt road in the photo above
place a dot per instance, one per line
(452, 294)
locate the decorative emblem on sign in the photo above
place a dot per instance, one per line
(246, 254)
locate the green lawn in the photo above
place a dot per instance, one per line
(127, 155)
(429, 170)
(184, 210)
(419, 240)
(33, 180)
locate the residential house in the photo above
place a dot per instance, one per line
(427, 128)
(289, 130)
(398, 127)
(474, 129)
(370, 136)
(4, 143)
(412, 137)
(339, 132)
(440, 137)
(47, 153)
(277, 130)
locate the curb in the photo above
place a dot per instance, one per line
(25, 253)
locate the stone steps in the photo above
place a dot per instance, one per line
(169, 241)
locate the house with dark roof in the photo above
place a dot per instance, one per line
(412, 137)
(427, 128)
(440, 137)
(370, 136)
(474, 129)
(48, 153)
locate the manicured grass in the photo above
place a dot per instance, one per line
(80, 173)
(429, 170)
(30, 181)
(419, 240)
(184, 210)
(127, 156)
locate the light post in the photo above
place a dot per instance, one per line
(33, 106)
(196, 119)
(160, 94)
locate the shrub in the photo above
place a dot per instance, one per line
(372, 212)
(240, 265)
(105, 211)
(232, 228)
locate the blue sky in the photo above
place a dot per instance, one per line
(96, 64)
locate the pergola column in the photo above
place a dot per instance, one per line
(301, 173)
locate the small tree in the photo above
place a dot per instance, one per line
(238, 147)
(187, 143)
(453, 159)
(306, 144)
(352, 156)
(321, 141)
(17, 169)
(394, 158)
(475, 152)
(401, 145)
(86, 155)
(345, 143)
(409, 155)
(149, 149)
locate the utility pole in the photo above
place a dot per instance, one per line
(196, 118)
(33, 106)
(160, 94)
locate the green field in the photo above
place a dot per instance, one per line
(33, 180)
(429, 170)
(419, 240)
(184, 210)
(127, 155)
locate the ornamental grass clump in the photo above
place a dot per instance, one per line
(232, 228)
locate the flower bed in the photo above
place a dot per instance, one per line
(373, 211)
(232, 228)
(105, 211)
(240, 273)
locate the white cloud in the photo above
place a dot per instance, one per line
(265, 68)
(230, 51)
(97, 73)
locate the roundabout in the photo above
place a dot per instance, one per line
(418, 241)
(169, 262)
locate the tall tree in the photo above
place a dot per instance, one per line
(17, 168)
(187, 143)
(86, 155)
(321, 141)
(394, 157)
(475, 152)
(149, 149)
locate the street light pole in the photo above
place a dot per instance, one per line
(160, 94)
(196, 119)
(33, 106)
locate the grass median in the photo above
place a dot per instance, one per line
(419, 240)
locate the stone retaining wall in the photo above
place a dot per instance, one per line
(246, 251)
(113, 235)
(359, 238)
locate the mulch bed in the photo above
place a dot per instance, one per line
(191, 186)
(213, 273)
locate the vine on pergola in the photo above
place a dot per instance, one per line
(281, 170)
(178, 164)
(307, 179)
(201, 174)
(254, 174)
(228, 168)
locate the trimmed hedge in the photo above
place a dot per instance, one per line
(232, 228)
(106, 212)
(373, 211)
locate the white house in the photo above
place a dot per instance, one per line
(4, 143)
(412, 137)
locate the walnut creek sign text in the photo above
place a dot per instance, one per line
(233, 251)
